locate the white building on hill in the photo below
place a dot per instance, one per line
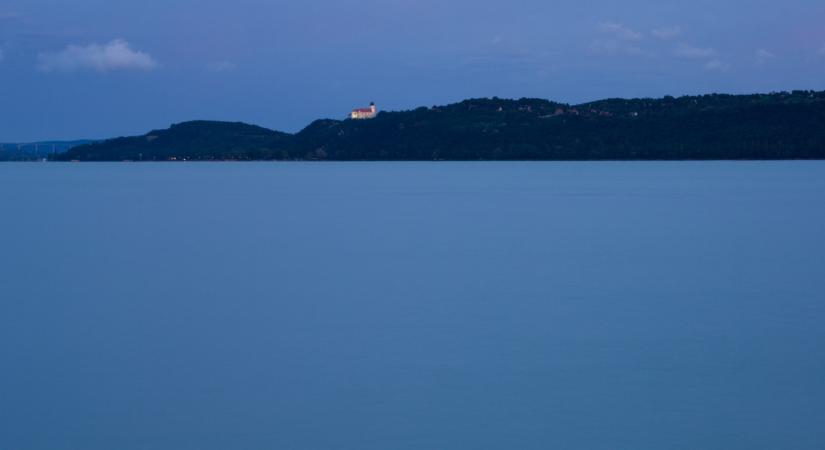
(364, 113)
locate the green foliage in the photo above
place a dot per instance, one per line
(784, 125)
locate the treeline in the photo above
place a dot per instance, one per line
(36, 150)
(786, 125)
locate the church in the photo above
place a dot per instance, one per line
(364, 113)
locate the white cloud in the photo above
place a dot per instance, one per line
(763, 56)
(116, 55)
(707, 56)
(620, 31)
(689, 52)
(666, 33)
(612, 47)
(717, 65)
(619, 40)
(222, 66)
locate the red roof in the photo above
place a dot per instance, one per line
(363, 110)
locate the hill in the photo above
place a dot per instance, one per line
(197, 140)
(785, 125)
(32, 151)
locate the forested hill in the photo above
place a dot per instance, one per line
(787, 125)
(32, 151)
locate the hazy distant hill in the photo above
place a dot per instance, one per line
(36, 150)
(199, 140)
(787, 125)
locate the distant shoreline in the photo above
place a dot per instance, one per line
(775, 126)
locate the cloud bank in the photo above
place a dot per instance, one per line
(717, 65)
(666, 33)
(115, 55)
(620, 31)
(618, 40)
(708, 56)
(611, 47)
(763, 56)
(690, 52)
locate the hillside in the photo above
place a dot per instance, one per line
(769, 126)
(32, 151)
(200, 140)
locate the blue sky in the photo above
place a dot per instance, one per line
(102, 68)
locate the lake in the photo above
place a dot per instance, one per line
(315, 306)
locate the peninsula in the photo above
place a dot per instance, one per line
(782, 125)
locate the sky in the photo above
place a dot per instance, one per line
(105, 68)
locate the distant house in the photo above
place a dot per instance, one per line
(364, 113)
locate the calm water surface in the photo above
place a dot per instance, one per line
(409, 306)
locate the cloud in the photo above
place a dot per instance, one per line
(8, 15)
(666, 33)
(619, 40)
(503, 61)
(612, 47)
(763, 56)
(116, 55)
(500, 55)
(620, 31)
(221, 66)
(689, 52)
(717, 66)
(708, 56)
